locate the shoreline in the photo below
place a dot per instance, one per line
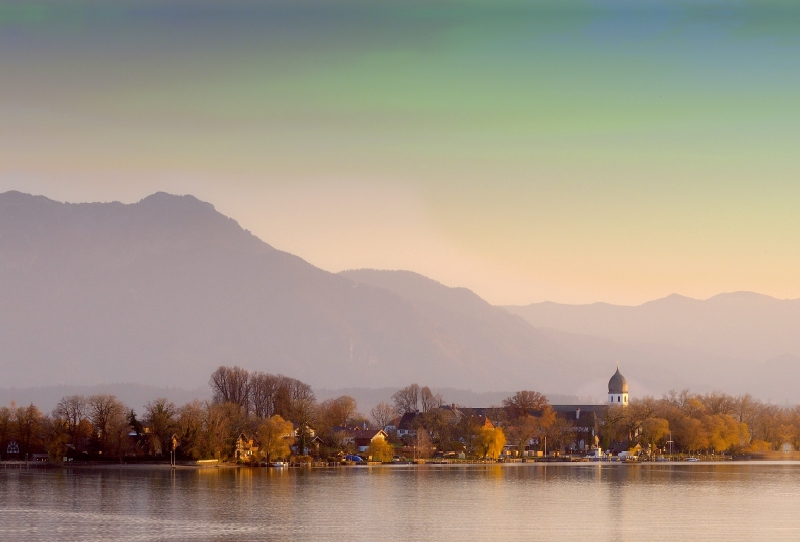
(165, 467)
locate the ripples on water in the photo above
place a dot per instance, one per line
(605, 502)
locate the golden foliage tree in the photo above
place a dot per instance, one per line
(275, 438)
(653, 430)
(490, 442)
(380, 450)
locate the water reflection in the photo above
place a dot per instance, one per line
(532, 501)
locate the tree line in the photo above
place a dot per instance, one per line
(712, 423)
(283, 416)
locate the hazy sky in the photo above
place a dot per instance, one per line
(569, 151)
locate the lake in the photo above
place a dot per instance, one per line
(588, 501)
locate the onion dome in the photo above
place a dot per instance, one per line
(617, 384)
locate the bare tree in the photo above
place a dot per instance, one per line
(295, 401)
(382, 414)
(231, 385)
(72, 410)
(263, 390)
(428, 400)
(102, 409)
(406, 399)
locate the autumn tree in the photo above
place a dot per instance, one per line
(744, 408)
(216, 433)
(275, 438)
(653, 430)
(422, 444)
(467, 430)
(690, 434)
(722, 431)
(490, 442)
(524, 402)
(56, 437)
(6, 429)
(558, 433)
(718, 403)
(440, 425)
(118, 429)
(524, 429)
(189, 424)
(159, 417)
(28, 426)
(341, 411)
(380, 450)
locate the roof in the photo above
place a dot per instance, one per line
(617, 384)
(599, 410)
(370, 433)
(364, 438)
(407, 421)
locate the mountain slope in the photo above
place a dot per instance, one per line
(165, 290)
(738, 326)
(479, 330)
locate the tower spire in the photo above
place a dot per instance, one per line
(618, 389)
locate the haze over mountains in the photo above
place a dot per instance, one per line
(739, 325)
(163, 291)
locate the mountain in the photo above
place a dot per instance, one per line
(163, 291)
(739, 342)
(737, 326)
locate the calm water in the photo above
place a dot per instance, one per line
(743, 501)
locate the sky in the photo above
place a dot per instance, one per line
(571, 151)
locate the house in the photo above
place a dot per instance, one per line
(392, 426)
(246, 448)
(408, 424)
(584, 421)
(481, 416)
(362, 439)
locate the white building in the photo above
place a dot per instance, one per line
(618, 389)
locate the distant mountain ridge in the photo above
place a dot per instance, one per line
(163, 291)
(167, 289)
(738, 325)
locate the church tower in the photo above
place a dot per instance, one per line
(618, 389)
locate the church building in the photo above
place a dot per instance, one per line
(618, 389)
